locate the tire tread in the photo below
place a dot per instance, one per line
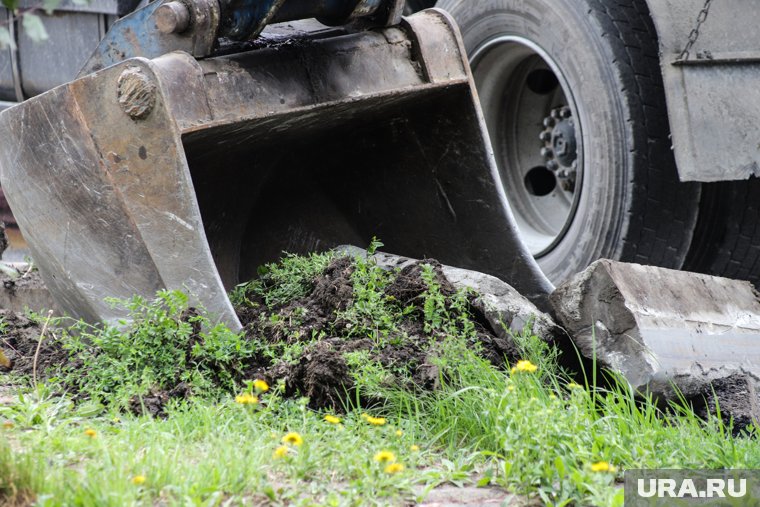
(666, 214)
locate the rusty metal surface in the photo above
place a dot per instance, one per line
(199, 171)
(713, 99)
(194, 25)
(136, 35)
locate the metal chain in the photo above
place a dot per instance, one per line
(694, 34)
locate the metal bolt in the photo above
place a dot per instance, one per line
(546, 152)
(545, 136)
(137, 93)
(172, 17)
(555, 114)
(552, 165)
(565, 112)
(549, 122)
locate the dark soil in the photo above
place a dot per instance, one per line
(321, 372)
(19, 342)
(737, 396)
(154, 403)
(30, 280)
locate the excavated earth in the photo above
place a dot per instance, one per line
(320, 372)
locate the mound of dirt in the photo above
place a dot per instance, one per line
(321, 372)
(321, 335)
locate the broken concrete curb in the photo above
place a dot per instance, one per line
(660, 327)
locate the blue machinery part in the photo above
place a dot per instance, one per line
(194, 26)
(244, 19)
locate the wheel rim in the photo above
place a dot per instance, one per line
(533, 122)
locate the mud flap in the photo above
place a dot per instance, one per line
(184, 174)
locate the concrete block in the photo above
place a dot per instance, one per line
(661, 327)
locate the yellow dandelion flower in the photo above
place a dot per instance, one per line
(138, 480)
(261, 386)
(281, 452)
(415, 448)
(510, 388)
(116, 420)
(246, 399)
(7, 425)
(602, 466)
(399, 433)
(394, 468)
(524, 366)
(90, 432)
(332, 419)
(573, 385)
(292, 438)
(376, 421)
(385, 457)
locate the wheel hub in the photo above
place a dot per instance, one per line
(560, 148)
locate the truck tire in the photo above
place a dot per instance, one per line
(727, 237)
(573, 99)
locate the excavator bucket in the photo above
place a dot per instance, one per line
(185, 173)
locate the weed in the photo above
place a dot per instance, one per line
(372, 313)
(163, 344)
(282, 282)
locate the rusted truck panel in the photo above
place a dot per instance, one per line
(711, 68)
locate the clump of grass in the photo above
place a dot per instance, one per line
(19, 477)
(563, 442)
(281, 282)
(163, 344)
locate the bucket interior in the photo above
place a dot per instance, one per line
(411, 169)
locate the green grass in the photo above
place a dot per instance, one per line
(207, 454)
(534, 433)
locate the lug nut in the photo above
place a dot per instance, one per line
(565, 112)
(547, 152)
(555, 114)
(545, 136)
(552, 165)
(172, 17)
(549, 122)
